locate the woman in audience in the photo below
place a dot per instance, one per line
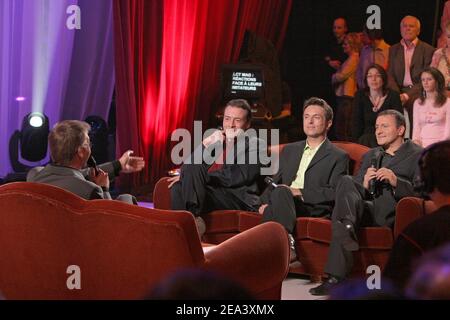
(344, 82)
(370, 101)
(431, 110)
(441, 58)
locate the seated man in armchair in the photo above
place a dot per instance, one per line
(228, 183)
(308, 174)
(369, 199)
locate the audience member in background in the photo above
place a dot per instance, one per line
(344, 82)
(370, 101)
(441, 57)
(70, 149)
(195, 284)
(445, 19)
(230, 182)
(334, 58)
(308, 173)
(431, 110)
(431, 279)
(369, 199)
(407, 59)
(431, 230)
(336, 55)
(375, 51)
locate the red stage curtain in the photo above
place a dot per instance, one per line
(168, 55)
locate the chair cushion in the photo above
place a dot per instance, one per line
(319, 229)
(220, 221)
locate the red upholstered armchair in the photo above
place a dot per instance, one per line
(121, 250)
(313, 235)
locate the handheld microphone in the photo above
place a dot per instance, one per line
(372, 183)
(93, 164)
(269, 180)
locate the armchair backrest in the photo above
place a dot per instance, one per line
(355, 152)
(121, 249)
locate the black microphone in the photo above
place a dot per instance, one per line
(375, 162)
(270, 181)
(373, 181)
(93, 164)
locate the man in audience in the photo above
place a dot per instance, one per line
(375, 50)
(231, 181)
(70, 150)
(432, 230)
(336, 55)
(308, 173)
(369, 199)
(407, 59)
(334, 58)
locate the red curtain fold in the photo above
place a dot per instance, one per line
(168, 55)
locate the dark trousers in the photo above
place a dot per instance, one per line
(352, 207)
(194, 193)
(284, 208)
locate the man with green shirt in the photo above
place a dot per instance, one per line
(308, 173)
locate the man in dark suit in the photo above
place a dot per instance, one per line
(70, 150)
(407, 59)
(230, 182)
(308, 173)
(369, 199)
(431, 230)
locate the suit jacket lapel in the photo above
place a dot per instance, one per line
(293, 165)
(320, 154)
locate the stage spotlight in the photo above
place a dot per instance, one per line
(36, 119)
(31, 140)
(33, 136)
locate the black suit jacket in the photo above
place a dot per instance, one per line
(404, 164)
(321, 176)
(240, 173)
(421, 59)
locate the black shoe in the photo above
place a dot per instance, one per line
(324, 288)
(346, 233)
(292, 251)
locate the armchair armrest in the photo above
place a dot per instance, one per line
(409, 209)
(257, 258)
(161, 194)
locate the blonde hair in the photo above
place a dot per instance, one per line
(354, 41)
